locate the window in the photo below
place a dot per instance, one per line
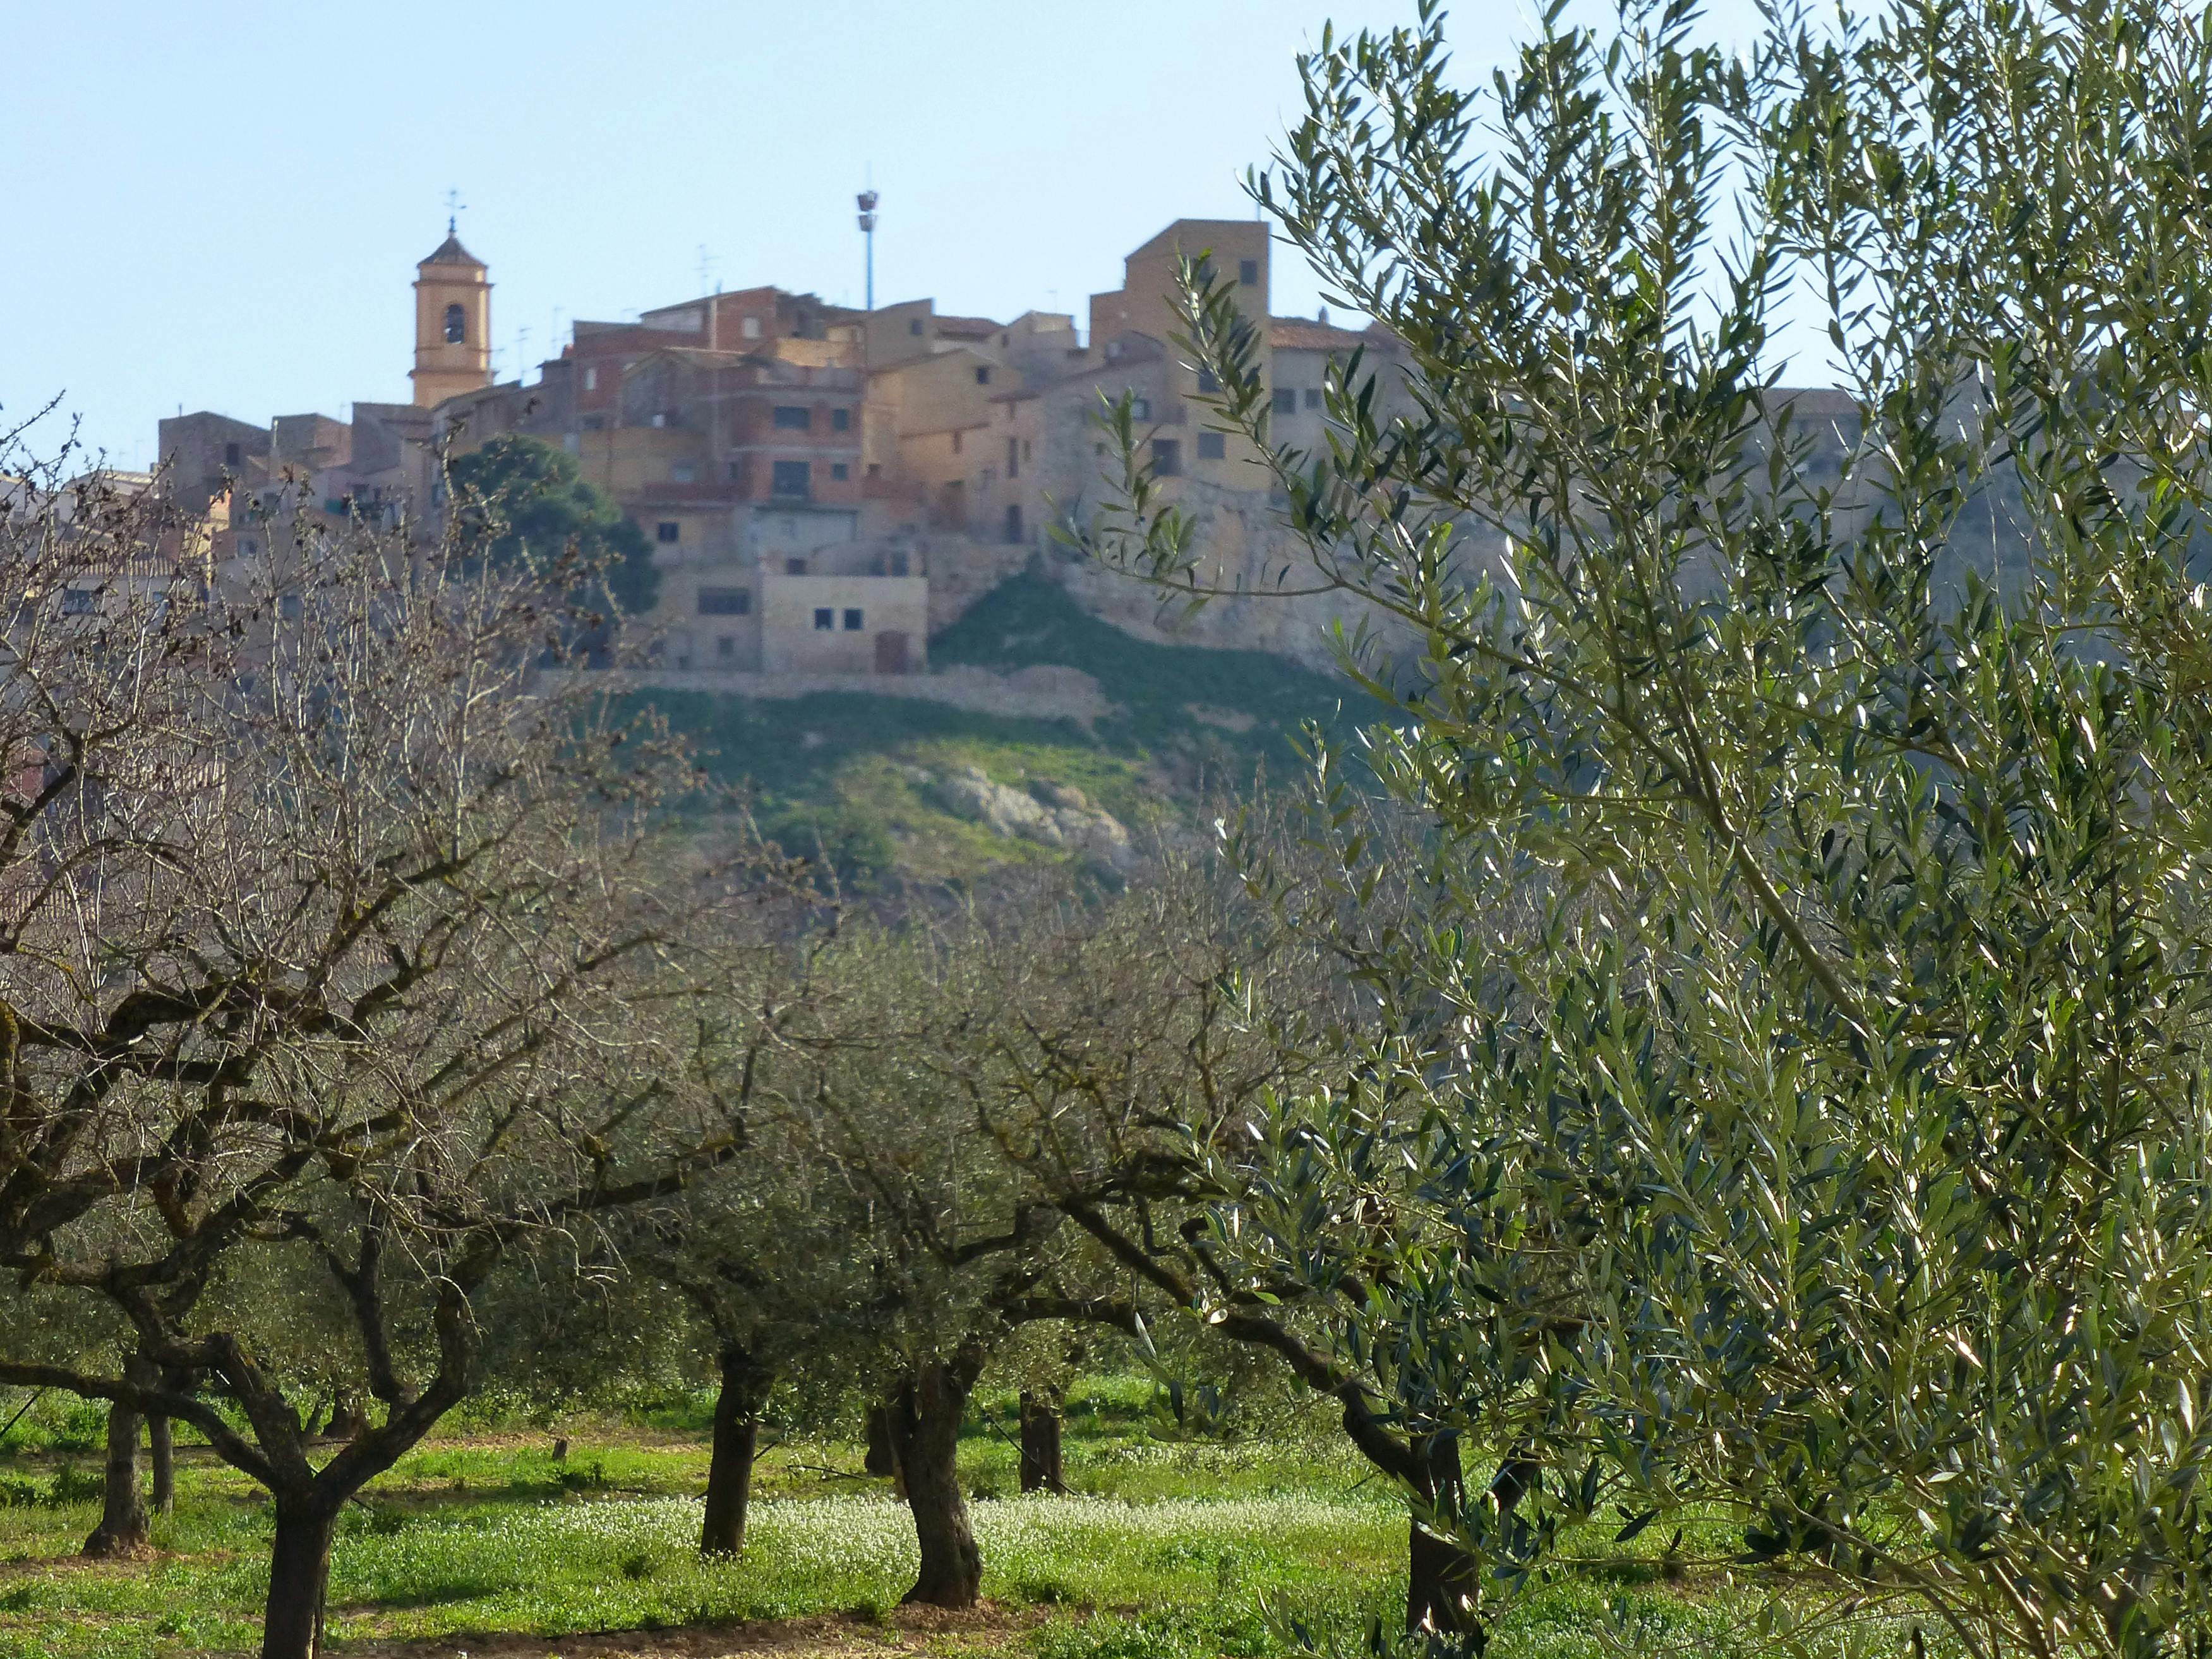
(1013, 458)
(1025, 449)
(291, 606)
(793, 479)
(457, 326)
(1167, 458)
(794, 567)
(852, 620)
(682, 472)
(726, 602)
(1014, 524)
(571, 442)
(825, 619)
(590, 377)
(898, 564)
(1248, 272)
(1287, 400)
(791, 417)
(1207, 382)
(725, 646)
(1140, 408)
(230, 456)
(736, 472)
(1313, 397)
(839, 470)
(982, 377)
(913, 326)
(875, 469)
(841, 420)
(955, 442)
(1212, 446)
(750, 328)
(667, 532)
(80, 601)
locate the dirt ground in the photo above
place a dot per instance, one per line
(931, 1631)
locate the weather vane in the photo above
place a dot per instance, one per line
(452, 211)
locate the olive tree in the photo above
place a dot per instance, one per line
(327, 914)
(1832, 1147)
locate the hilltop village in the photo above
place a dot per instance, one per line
(824, 487)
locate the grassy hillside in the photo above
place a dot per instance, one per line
(863, 774)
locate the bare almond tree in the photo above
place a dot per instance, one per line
(333, 920)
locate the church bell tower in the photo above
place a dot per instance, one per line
(453, 323)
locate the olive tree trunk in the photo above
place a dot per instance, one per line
(161, 1450)
(738, 1407)
(122, 1528)
(299, 1578)
(925, 1418)
(1442, 1578)
(1042, 1467)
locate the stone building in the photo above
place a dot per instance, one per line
(821, 486)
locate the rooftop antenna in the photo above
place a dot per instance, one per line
(707, 269)
(867, 199)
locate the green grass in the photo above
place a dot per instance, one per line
(1169, 1546)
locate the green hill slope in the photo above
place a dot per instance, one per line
(885, 784)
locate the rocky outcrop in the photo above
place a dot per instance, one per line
(1050, 814)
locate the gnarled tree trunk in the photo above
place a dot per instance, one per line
(882, 1460)
(1042, 1467)
(161, 1447)
(122, 1528)
(299, 1578)
(924, 1417)
(1442, 1579)
(738, 1407)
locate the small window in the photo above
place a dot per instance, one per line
(793, 479)
(791, 417)
(982, 377)
(1313, 397)
(1206, 381)
(794, 567)
(667, 532)
(590, 377)
(682, 472)
(736, 472)
(1025, 449)
(875, 469)
(913, 326)
(1248, 272)
(1287, 400)
(291, 606)
(725, 601)
(853, 620)
(725, 646)
(839, 470)
(1140, 408)
(841, 420)
(825, 619)
(1212, 446)
(1013, 458)
(955, 442)
(571, 443)
(231, 455)
(1167, 458)
(457, 326)
(898, 564)
(1014, 524)
(750, 328)
(80, 601)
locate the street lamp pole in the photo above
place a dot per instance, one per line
(867, 199)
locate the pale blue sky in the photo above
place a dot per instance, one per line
(219, 203)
